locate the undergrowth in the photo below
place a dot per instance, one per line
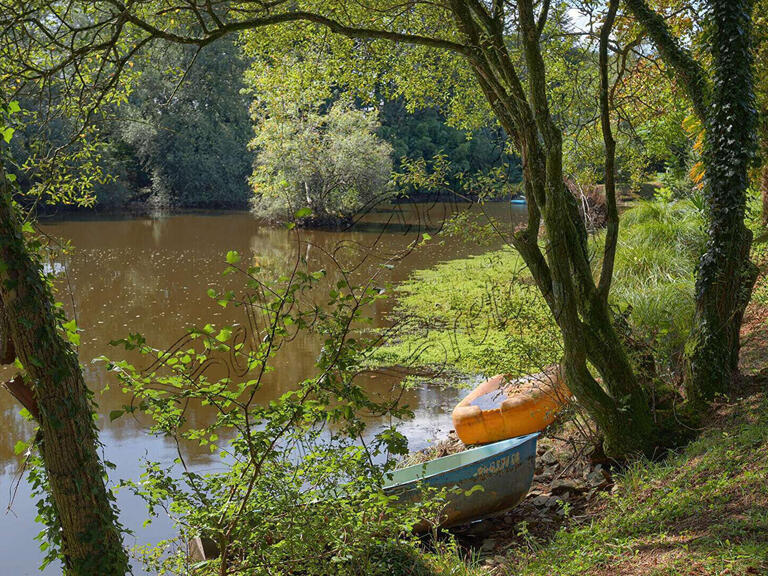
(701, 511)
(484, 314)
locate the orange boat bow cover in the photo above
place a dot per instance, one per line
(502, 408)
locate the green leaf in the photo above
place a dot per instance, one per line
(303, 213)
(224, 335)
(233, 257)
(7, 134)
(115, 414)
(20, 447)
(14, 107)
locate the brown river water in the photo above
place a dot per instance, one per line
(151, 275)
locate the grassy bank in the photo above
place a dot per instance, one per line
(484, 315)
(701, 510)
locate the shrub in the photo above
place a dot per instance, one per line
(300, 493)
(325, 167)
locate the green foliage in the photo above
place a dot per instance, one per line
(476, 315)
(483, 314)
(660, 243)
(182, 138)
(327, 167)
(300, 491)
(423, 134)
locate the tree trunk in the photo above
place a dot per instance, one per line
(726, 275)
(92, 543)
(764, 185)
(563, 271)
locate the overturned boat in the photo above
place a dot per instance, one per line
(502, 407)
(481, 481)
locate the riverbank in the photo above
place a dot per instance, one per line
(701, 509)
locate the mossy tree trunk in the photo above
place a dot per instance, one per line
(725, 104)
(563, 271)
(92, 542)
(764, 183)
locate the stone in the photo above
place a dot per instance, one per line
(541, 500)
(549, 457)
(562, 485)
(553, 502)
(598, 478)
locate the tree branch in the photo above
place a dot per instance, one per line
(687, 70)
(298, 16)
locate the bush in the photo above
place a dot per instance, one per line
(300, 493)
(324, 167)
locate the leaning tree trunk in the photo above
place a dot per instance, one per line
(562, 272)
(726, 274)
(92, 543)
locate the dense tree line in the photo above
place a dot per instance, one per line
(181, 136)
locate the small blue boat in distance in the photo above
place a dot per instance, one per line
(504, 471)
(518, 200)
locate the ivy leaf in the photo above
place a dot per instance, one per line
(115, 414)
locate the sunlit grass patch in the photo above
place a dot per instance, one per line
(703, 510)
(478, 315)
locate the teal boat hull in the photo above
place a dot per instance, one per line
(502, 470)
(518, 201)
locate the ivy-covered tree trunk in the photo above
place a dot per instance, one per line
(725, 105)
(91, 537)
(764, 185)
(726, 275)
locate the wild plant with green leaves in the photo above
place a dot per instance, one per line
(659, 244)
(301, 486)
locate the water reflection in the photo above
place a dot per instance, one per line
(151, 276)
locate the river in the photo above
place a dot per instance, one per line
(151, 275)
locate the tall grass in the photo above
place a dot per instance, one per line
(659, 246)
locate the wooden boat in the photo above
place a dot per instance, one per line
(503, 470)
(501, 408)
